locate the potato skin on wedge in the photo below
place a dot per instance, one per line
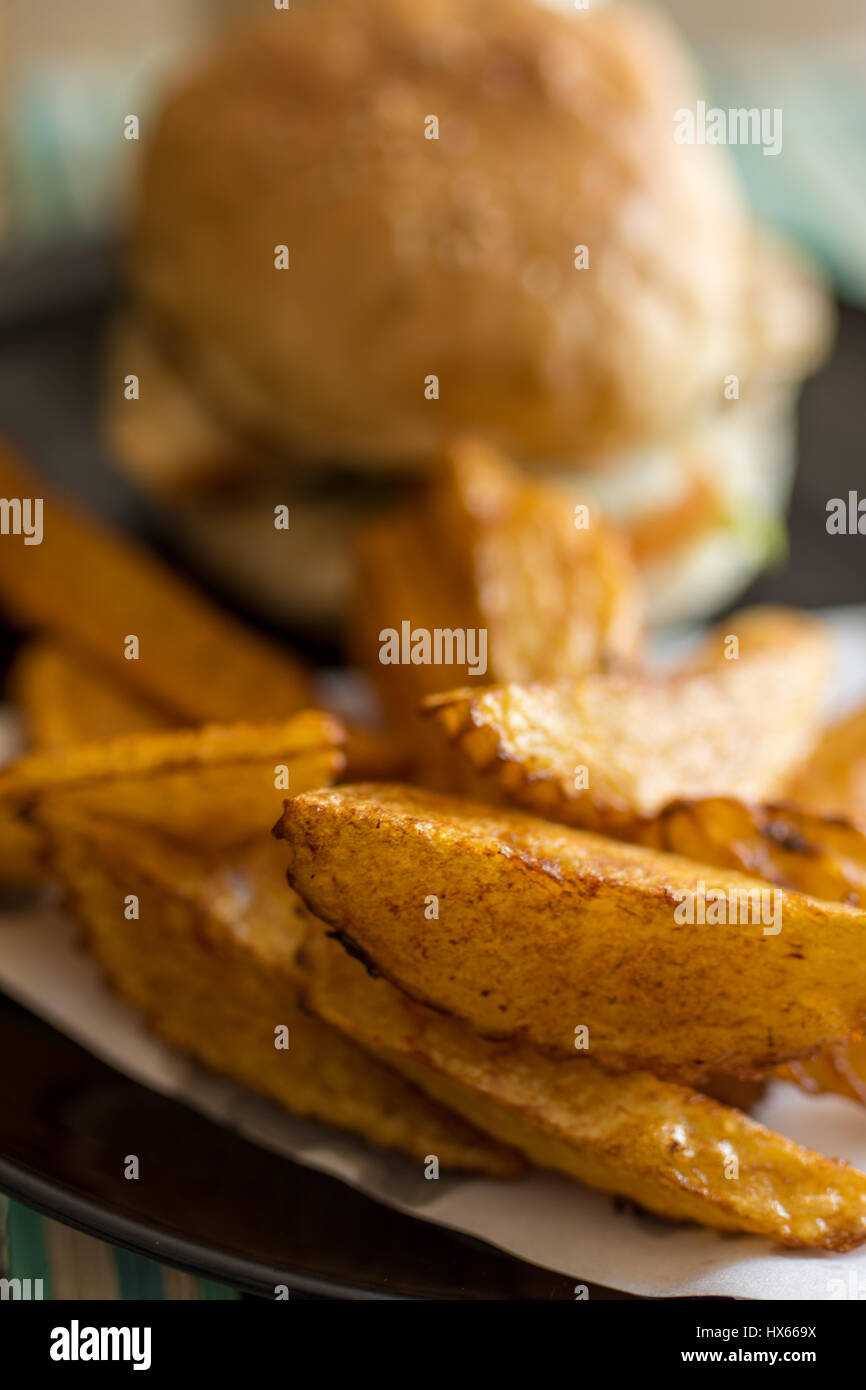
(824, 856)
(841, 1070)
(211, 963)
(214, 784)
(542, 929)
(833, 781)
(488, 547)
(20, 851)
(664, 1146)
(608, 750)
(89, 587)
(64, 699)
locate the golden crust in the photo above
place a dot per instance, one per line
(542, 928)
(833, 780)
(664, 1146)
(607, 751)
(93, 589)
(65, 700)
(488, 549)
(176, 781)
(824, 856)
(210, 961)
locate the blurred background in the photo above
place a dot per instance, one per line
(71, 73)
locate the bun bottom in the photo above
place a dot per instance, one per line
(304, 576)
(705, 515)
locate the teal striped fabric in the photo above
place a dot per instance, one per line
(61, 1263)
(815, 189)
(65, 159)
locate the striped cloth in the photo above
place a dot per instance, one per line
(815, 189)
(72, 1265)
(66, 162)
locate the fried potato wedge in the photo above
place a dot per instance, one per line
(531, 930)
(210, 961)
(372, 755)
(217, 784)
(555, 598)
(608, 751)
(833, 781)
(64, 700)
(397, 584)
(661, 1145)
(21, 862)
(841, 1070)
(94, 590)
(487, 548)
(824, 856)
(61, 701)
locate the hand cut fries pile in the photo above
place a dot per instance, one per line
(500, 980)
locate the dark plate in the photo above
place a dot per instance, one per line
(208, 1200)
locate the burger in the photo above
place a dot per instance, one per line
(365, 227)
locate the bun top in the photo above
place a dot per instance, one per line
(431, 168)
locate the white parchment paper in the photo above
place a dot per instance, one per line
(541, 1217)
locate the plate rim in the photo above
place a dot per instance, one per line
(53, 1199)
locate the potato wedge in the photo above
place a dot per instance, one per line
(217, 784)
(64, 700)
(61, 701)
(608, 751)
(557, 599)
(396, 585)
(92, 589)
(21, 862)
(542, 929)
(833, 780)
(372, 755)
(824, 856)
(841, 1070)
(821, 855)
(488, 548)
(210, 961)
(664, 1146)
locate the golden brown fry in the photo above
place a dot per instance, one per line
(64, 700)
(821, 855)
(608, 751)
(824, 856)
(841, 1070)
(556, 599)
(210, 961)
(371, 755)
(833, 781)
(487, 548)
(664, 1146)
(218, 784)
(94, 590)
(541, 929)
(21, 861)
(528, 734)
(61, 701)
